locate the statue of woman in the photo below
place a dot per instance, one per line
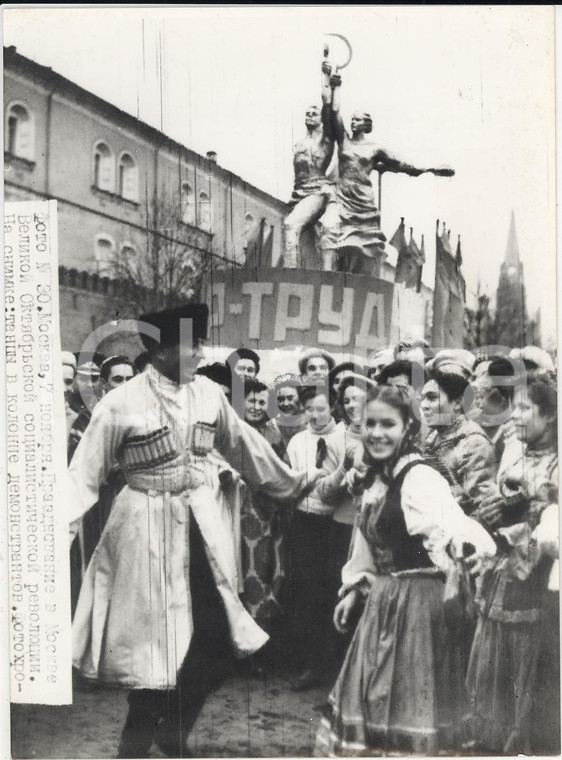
(360, 239)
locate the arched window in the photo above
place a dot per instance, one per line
(249, 223)
(104, 254)
(204, 211)
(128, 255)
(187, 204)
(104, 167)
(19, 131)
(128, 178)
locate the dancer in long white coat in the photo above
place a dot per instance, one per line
(140, 622)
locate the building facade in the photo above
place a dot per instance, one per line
(110, 173)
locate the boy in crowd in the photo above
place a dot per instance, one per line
(321, 444)
(115, 371)
(290, 418)
(245, 363)
(315, 364)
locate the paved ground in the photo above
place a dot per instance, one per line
(247, 717)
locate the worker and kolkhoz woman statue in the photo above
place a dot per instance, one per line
(341, 209)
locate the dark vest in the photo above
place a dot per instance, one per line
(389, 530)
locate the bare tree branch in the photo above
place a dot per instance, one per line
(167, 264)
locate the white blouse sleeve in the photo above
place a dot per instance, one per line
(360, 566)
(546, 534)
(431, 512)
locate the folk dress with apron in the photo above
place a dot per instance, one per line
(502, 677)
(400, 687)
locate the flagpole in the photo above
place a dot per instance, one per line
(422, 251)
(436, 335)
(260, 244)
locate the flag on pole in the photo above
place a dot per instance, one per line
(254, 245)
(416, 261)
(458, 256)
(448, 295)
(267, 250)
(458, 261)
(410, 258)
(398, 241)
(445, 238)
(422, 256)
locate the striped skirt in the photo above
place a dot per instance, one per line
(502, 685)
(401, 684)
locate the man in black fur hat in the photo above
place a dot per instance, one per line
(159, 611)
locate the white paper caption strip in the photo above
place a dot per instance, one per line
(38, 551)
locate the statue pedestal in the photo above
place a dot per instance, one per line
(310, 255)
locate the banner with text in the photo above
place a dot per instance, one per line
(273, 308)
(38, 565)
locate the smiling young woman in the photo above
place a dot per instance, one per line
(410, 533)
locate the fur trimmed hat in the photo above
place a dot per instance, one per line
(168, 323)
(456, 361)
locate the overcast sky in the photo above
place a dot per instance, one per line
(468, 87)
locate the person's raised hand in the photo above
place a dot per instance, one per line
(313, 475)
(335, 80)
(489, 512)
(349, 458)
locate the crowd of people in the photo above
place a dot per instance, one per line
(387, 528)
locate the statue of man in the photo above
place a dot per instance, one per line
(312, 189)
(360, 241)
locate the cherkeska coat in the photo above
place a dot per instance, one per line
(133, 622)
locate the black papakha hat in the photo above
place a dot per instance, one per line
(168, 322)
(217, 372)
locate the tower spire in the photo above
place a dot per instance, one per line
(512, 249)
(511, 316)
